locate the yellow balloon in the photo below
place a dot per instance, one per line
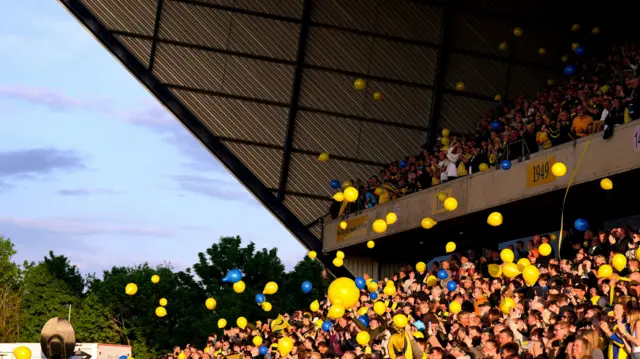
(155, 278)
(605, 271)
(270, 288)
(241, 322)
(450, 204)
(360, 84)
(544, 249)
(22, 352)
(345, 290)
(523, 263)
(163, 302)
(239, 286)
(595, 30)
(550, 82)
(346, 184)
(484, 167)
(363, 311)
(161, 311)
(575, 45)
(378, 96)
(460, 86)
(506, 255)
(372, 286)
(389, 290)
(379, 308)
(340, 254)
(257, 341)
(391, 218)
(530, 275)
(559, 169)
(517, 32)
(222, 323)
(324, 157)
(442, 196)
(400, 320)
(210, 303)
(131, 289)
(379, 225)
(445, 132)
(338, 197)
(619, 262)
(450, 247)
(507, 304)
(338, 262)
(335, 311)
(285, 345)
(495, 270)
(445, 141)
(496, 98)
(314, 306)
(575, 27)
(181, 355)
(421, 267)
(606, 184)
(432, 280)
(428, 223)
(371, 244)
(502, 46)
(312, 254)
(351, 194)
(542, 51)
(266, 306)
(343, 225)
(510, 270)
(455, 307)
(564, 58)
(553, 236)
(638, 253)
(363, 338)
(495, 219)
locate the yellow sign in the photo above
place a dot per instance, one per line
(539, 171)
(356, 227)
(438, 206)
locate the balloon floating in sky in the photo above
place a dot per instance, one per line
(460, 86)
(606, 184)
(155, 278)
(506, 255)
(428, 223)
(263, 350)
(131, 289)
(163, 302)
(232, 276)
(371, 244)
(360, 283)
(605, 271)
(210, 303)
(350, 194)
(497, 98)
(161, 311)
(619, 262)
(326, 326)
(496, 126)
(495, 219)
(239, 287)
(257, 341)
(334, 184)
(595, 30)
(505, 165)
(450, 247)
(574, 46)
(373, 295)
(270, 288)
(421, 267)
(314, 306)
(517, 32)
(364, 320)
(266, 306)
(402, 163)
(378, 96)
(340, 254)
(455, 307)
(323, 157)
(345, 291)
(569, 70)
(442, 274)
(542, 51)
(564, 58)
(343, 225)
(579, 50)
(450, 204)
(581, 224)
(360, 84)
(379, 225)
(241, 322)
(306, 286)
(338, 197)
(502, 46)
(544, 249)
(391, 218)
(451, 286)
(338, 262)
(575, 27)
(445, 132)
(559, 169)
(312, 254)
(222, 323)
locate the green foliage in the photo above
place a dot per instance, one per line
(9, 271)
(62, 269)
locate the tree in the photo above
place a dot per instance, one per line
(61, 268)
(305, 270)
(9, 314)
(93, 322)
(9, 271)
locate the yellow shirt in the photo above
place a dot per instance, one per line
(581, 125)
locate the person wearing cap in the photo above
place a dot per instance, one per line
(404, 344)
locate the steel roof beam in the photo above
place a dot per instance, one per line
(156, 31)
(213, 144)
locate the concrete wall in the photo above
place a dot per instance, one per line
(486, 190)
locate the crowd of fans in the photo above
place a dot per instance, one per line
(602, 94)
(570, 313)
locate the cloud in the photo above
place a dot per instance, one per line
(47, 97)
(86, 192)
(31, 162)
(213, 187)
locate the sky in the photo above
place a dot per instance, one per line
(92, 167)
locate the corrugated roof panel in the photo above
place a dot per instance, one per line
(367, 141)
(189, 67)
(331, 92)
(460, 114)
(403, 61)
(216, 2)
(257, 79)
(409, 20)
(316, 229)
(481, 34)
(479, 4)
(352, 14)
(307, 209)
(308, 175)
(135, 16)
(196, 25)
(264, 37)
(401, 104)
(242, 120)
(338, 49)
(527, 80)
(480, 76)
(140, 48)
(288, 8)
(263, 162)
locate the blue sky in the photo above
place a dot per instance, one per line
(93, 167)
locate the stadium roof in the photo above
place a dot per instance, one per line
(267, 85)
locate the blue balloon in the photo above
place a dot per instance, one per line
(569, 70)
(335, 184)
(263, 350)
(451, 286)
(123, 357)
(505, 164)
(360, 283)
(326, 326)
(581, 224)
(364, 320)
(496, 126)
(442, 274)
(260, 298)
(579, 50)
(234, 276)
(403, 163)
(306, 286)
(373, 295)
